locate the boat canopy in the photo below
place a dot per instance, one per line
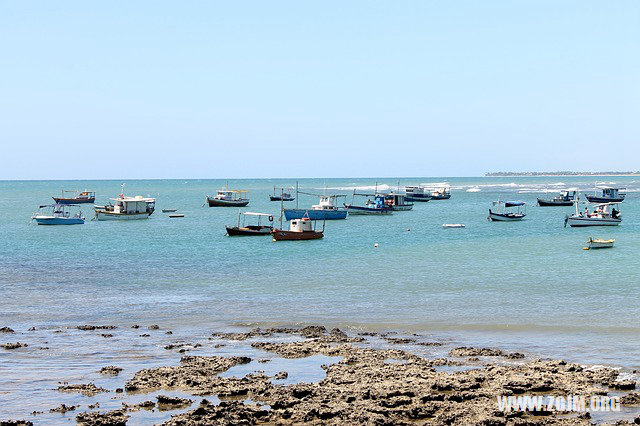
(514, 203)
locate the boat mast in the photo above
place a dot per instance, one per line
(282, 204)
(297, 195)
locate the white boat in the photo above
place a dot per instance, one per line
(507, 211)
(59, 214)
(598, 243)
(453, 225)
(126, 208)
(604, 214)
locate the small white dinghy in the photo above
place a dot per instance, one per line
(598, 243)
(453, 225)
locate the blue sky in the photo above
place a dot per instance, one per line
(154, 89)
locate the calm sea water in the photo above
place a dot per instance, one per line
(526, 285)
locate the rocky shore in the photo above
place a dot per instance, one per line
(367, 384)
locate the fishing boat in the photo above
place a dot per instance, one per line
(397, 202)
(326, 209)
(507, 211)
(371, 207)
(565, 198)
(417, 193)
(79, 197)
(599, 243)
(58, 214)
(126, 208)
(443, 193)
(169, 210)
(607, 195)
(250, 230)
(283, 196)
(604, 214)
(229, 198)
(299, 229)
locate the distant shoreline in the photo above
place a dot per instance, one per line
(560, 174)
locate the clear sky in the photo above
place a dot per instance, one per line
(217, 89)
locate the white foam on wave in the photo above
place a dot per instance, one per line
(380, 187)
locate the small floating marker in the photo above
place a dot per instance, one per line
(585, 248)
(376, 245)
(408, 229)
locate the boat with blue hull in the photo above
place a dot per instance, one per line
(375, 207)
(324, 210)
(59, 214)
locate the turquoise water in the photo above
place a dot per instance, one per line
(526, 285)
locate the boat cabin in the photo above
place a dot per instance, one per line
(414, 190)
(327, 202)
(301, 225)
(394, 199)
(608, 192)
(133, 205)
(230, 195)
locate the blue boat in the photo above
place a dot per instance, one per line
(324, 210)
(375, 207)
(60, 214)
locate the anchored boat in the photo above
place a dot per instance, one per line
(443, 193)
(604, 214)
(251, 230)
(599, 243)
(283, 196)
(324, 210)
(607, 195)
(566, 198)
(126, 208)
(229, 198)
(80, 197)
(58, 214)
(299, 229)
(417, 193)
(507, 211)
(376, 206)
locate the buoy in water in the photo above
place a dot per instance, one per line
(376, 245)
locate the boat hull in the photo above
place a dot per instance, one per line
(551, 203)
(248, 231)
(279, 198)
(578, 222)
(102, 215)
(509, 217)
(403, 207)
(213, 202)
(60, 200)
(419, 198)
(282, 235)
(440, 197)
(600, 244)
(315, 214)
(58, 220)
(596, 199)
(361, 210)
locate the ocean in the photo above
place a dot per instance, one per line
(526, 286)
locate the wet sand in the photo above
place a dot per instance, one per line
(314, 375)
